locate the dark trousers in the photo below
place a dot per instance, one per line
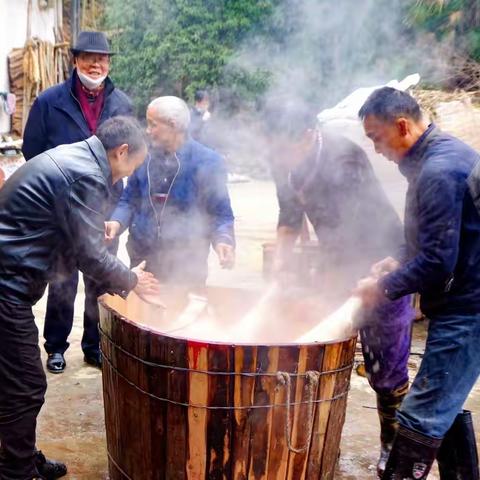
(386, 338)
(59, 316)
(22, 391)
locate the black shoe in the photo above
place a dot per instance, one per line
(94, 359)
(458, 457)
(411, 457)
(49, 469)
(56, 363)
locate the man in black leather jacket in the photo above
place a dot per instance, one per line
(51, 222)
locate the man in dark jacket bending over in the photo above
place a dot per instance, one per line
(52, 213)
(441, 261)
(177, 204)
(327, 179)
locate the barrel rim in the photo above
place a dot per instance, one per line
(102, 303)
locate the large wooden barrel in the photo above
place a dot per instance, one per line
(177, 408)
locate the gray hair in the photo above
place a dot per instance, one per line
(173, 109)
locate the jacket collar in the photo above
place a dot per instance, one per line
(412, 162)
(184, 153)
(100, 154)
(68, 102)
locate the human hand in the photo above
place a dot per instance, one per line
(369, 291)
(111, 231)
(226, 255)
(384, 266)
(148, 287)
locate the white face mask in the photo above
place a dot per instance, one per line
(89, 82)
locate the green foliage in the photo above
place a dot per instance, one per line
(458, 20)
(177, 46)
(315, 50)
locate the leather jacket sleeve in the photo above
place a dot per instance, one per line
(87, 198)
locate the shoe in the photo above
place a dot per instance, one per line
(56, 363)
(94, 359)
(387, 406)
(49, 469)
(458, 457)
(411, 457)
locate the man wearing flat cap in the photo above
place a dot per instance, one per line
(67, 113)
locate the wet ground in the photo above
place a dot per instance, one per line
(71, 425)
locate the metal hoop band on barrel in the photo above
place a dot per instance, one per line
(209, 407)
(207, 372)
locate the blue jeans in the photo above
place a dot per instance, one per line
(448, 372)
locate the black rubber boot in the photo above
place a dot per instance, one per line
(458, 457)
(411, 457)
(387, 406)
(49, 469)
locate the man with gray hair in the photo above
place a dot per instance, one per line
(177, 204)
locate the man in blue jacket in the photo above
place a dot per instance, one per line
(68, 113)
(176, 205)
(441, 261)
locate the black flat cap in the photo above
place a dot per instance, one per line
(92, 42)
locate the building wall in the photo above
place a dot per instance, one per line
(13, 34)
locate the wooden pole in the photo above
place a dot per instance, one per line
(75, 20)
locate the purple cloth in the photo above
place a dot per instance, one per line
(386, 336)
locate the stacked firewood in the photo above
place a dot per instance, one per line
(15, 70)
(32, 69)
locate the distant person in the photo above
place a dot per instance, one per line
(67, 113)
(176, 206)
(327, 179)
(441, 261)
(199, 115)
(52, 214)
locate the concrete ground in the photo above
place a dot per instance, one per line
(71, 425)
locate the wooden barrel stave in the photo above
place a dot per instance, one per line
(245, 359)
(219, 421)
